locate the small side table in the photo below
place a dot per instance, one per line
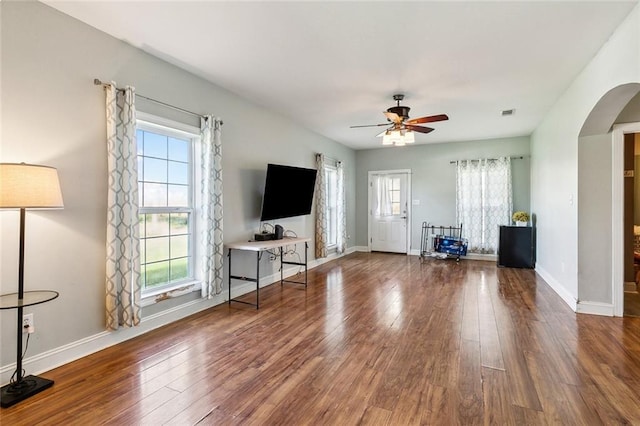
(23, 387)
(259, 247)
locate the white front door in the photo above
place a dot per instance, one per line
(388, 211)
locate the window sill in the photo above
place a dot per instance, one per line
(169, 292)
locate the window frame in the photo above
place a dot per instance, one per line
(151, 123)
(328, 169)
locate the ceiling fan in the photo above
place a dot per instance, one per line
(400, 125)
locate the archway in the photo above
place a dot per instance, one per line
(601, 231)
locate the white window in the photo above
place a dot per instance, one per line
(331, 179)
(166, 192)
(394, 195)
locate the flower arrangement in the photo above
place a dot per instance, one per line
(520, 217)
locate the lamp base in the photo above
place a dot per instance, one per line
(15, 392)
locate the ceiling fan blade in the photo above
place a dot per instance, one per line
(419, 129)
(369, 125)
(393, 117)
(428, 119)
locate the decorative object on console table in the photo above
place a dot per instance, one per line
(516, 247)
(26, 186)
(521, 218)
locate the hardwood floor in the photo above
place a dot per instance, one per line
(375, 339)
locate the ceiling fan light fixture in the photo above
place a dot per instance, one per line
(409, 137)
(398, 137)
(386, 138)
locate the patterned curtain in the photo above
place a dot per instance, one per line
(342, 210)
(321, 208)
(123, 244)
(211, 244)
(483, 201)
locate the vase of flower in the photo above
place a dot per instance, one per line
(521, 218)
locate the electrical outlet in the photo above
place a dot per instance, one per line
(28, 326)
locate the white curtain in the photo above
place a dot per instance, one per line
(342, 210)
(211, 241)
(483, 201)
(123, 244)
(383, 196)
(321, 208)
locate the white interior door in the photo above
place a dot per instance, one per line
(388, 211)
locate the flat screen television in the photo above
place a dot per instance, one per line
(288, 192)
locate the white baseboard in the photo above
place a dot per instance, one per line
(483, 257)
(64, 354)
(48, 360)
(595, 308)
(469, 256)
(564, 294)
(332, 256)
(630, 286)
(363, 249)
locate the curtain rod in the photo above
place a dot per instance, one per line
(97, 82)
(329, 158)
(490, 159)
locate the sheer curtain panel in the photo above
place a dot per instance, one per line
(383, 196)
(123, 244)
(483, 201)
(211, 242)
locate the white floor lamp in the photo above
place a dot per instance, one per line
(26, 186)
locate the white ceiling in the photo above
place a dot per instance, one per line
(329, 65)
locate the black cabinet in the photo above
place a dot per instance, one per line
(516, 247)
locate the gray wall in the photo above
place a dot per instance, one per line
(53, 114)
(554, 155)
(631, 111)
(594, 218)
(433, 178)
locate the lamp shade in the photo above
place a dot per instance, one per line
(29, 186)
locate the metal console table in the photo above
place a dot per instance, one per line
(260, 247)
